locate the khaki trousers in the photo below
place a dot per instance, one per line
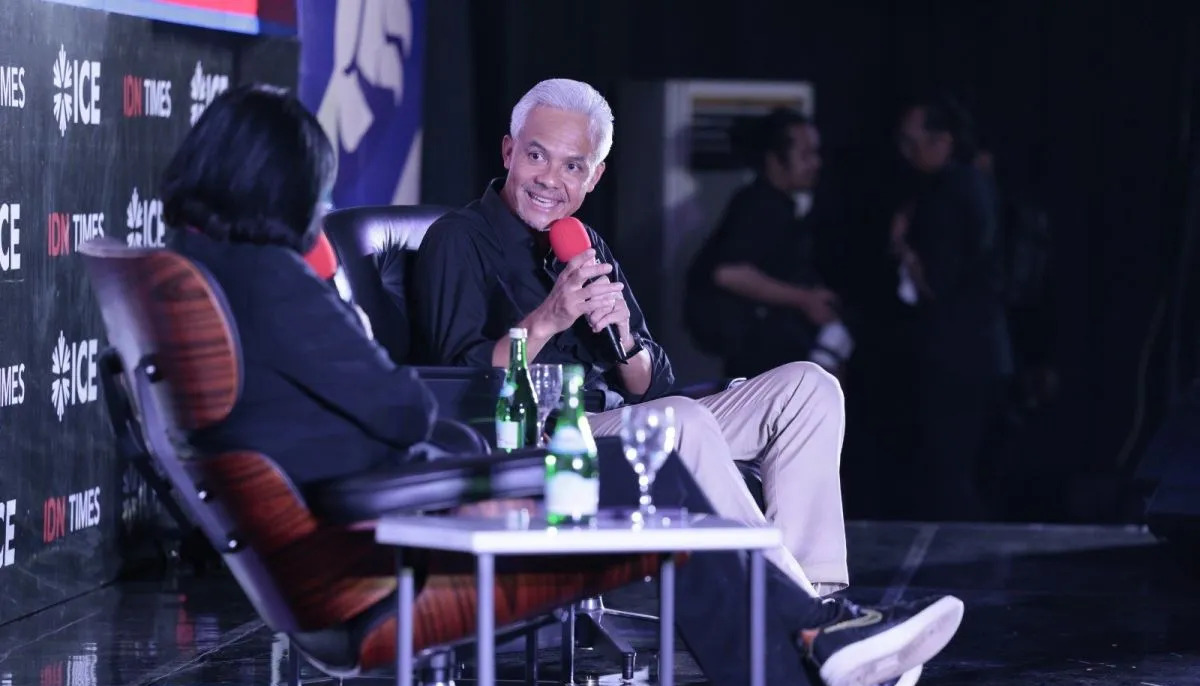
(792, 420)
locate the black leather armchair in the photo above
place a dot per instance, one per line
(366, 239)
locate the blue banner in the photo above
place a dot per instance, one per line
(362, 73)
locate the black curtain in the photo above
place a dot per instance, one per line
(1086, 104)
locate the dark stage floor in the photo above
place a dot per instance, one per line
(1045, 605)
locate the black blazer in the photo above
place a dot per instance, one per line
(318, 397)
(963, 329)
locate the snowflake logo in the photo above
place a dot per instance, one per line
(369, 44)
(204, 89)
(63, 83)
(60, 389)
(198, 84)
(135, 219)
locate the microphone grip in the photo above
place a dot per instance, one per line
(610, 331)
(614, 339)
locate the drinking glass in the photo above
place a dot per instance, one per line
(547, 386)
(648, 435)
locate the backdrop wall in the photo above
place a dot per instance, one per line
(1088, 106)
(92, 105)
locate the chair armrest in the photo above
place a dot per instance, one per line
(453, 481)
(437, 485)
(466, 394)
(457, 438)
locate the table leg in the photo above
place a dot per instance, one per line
(404, 621)
(568, 646)
(486, 578)
(531, 657)
(758, 619)
(666, 621)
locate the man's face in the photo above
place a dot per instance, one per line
(549, 166)
(926, 151)
(803, 160)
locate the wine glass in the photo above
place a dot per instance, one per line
(648, 435)
(547, 386)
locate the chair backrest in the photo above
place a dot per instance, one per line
(367, 238)
(170, 324)
(127, 282)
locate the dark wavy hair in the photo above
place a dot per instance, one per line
(254, 169)
(945, 113)
(769, 134)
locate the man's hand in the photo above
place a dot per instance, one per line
(916, 271)
(569, 298)
(819, 304)
(901, 222)
(611, 309)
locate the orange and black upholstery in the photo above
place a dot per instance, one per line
(308, 562)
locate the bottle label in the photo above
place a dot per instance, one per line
(569, 494)
(508, 435)
(568, 440)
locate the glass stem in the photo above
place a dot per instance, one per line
(645, 504)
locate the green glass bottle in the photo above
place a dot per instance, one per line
(572, 467)
(516, 409)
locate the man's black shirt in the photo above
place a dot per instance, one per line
(954, 232)
(759, 227)
(480, 270)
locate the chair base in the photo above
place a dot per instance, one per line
(621, 636)
(618, 634)
(441, 667)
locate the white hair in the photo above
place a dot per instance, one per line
(572, 96)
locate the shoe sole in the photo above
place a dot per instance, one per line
(911, 677)
(889, 654)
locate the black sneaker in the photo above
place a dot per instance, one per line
(863, 646)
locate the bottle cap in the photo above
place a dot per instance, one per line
(517, 333)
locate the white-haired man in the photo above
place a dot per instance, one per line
(488, 267)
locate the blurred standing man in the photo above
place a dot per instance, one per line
(948, 245)
(754, 295)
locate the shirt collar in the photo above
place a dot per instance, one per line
(769, 190)
(508, 226)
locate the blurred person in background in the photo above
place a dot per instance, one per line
(947, 241)
(754, 296)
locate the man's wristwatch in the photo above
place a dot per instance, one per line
(637, 348)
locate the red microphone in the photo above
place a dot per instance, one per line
(322, 258)
(568, 238)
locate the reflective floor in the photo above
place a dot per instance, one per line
(1045, 605)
